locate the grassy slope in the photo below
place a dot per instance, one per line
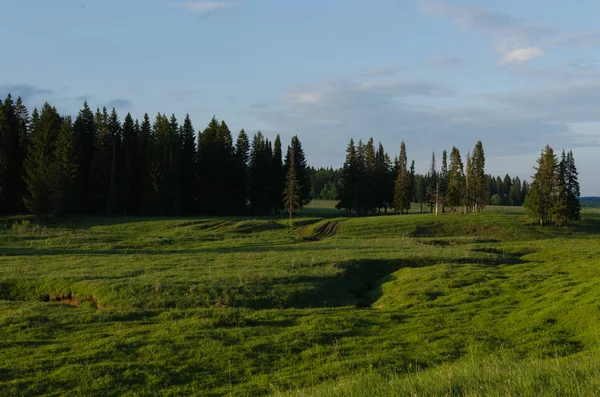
(386, 306)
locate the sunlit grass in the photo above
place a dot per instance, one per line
(486, 304)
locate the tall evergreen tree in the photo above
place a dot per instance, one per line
(12, 154)
(131, 168)
(84, 143)
(560, 199)
(572, 187)
(38, 169)
(443, 180)
(302, 170)
(279, 178)
(65, 170)
(433, 185)
(114, 140)
(292, 194)
(402, 188)
(242, 153)
(540, 199)
(259, 174)
(146, 156)
(350, 185)
(480, 186)
(456, 180)
(187, 164)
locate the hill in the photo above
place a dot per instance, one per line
(414, 304)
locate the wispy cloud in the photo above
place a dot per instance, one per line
(120, 103)
(470, 17)
(514, 39)
(581, 38)
(25, 91)
(179, 96)
(522, 55)
(384, 71)
(204, 7)
(444, 61)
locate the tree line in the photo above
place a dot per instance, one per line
(97, 164)
(371, 182)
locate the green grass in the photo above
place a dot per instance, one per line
(485, 304)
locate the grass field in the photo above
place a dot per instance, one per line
(485, 304)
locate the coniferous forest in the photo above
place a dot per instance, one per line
(98, 164)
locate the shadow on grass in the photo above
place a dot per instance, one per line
(360, 282)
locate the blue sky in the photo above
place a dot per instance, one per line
(515, 74)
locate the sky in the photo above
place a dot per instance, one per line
(517, 75)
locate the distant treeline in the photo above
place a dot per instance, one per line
(100, 165)
(590, 202)
(327, 182)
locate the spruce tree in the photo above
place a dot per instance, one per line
(131, 170)
(114, 141)
(84, 143)
(443, 180)
(456, 181)
(349, 191)
(480, 185)
(12, 154)
(302, 170)
(147, 197)
(259, 174)
(402, 187)
(65, 170)
(572, 187)
(469, 192)
(292, 194)
(278, 177)
(187, 164)
(540, 198)
(560, 199)
(38, 169)
(209, 149)
(242, 152)
(433, 185)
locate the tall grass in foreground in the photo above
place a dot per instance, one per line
(493, 376)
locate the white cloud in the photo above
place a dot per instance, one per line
(204, 7)
(522, 55)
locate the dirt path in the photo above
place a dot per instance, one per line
(326, 230)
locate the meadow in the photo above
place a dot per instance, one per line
(419, 305)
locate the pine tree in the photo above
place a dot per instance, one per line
(147, 197)
(292, 194)
(114, 141)
(187, 164)
(161, 165)
(349, 191)
(12, 154)
(540, 198)
(84, 142)
(242, 152)
(469, 191)
(433, 185)
(65, 170)
(209, 149)
(302, 170)
(456, 180)
(278, 177)
(259, 174)
(370, 182)
(402, 188)
(572, 187)
(480, 185)
(380, 178)
(39, 175)
(131, 171)
(444, 180)
(559, 195)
